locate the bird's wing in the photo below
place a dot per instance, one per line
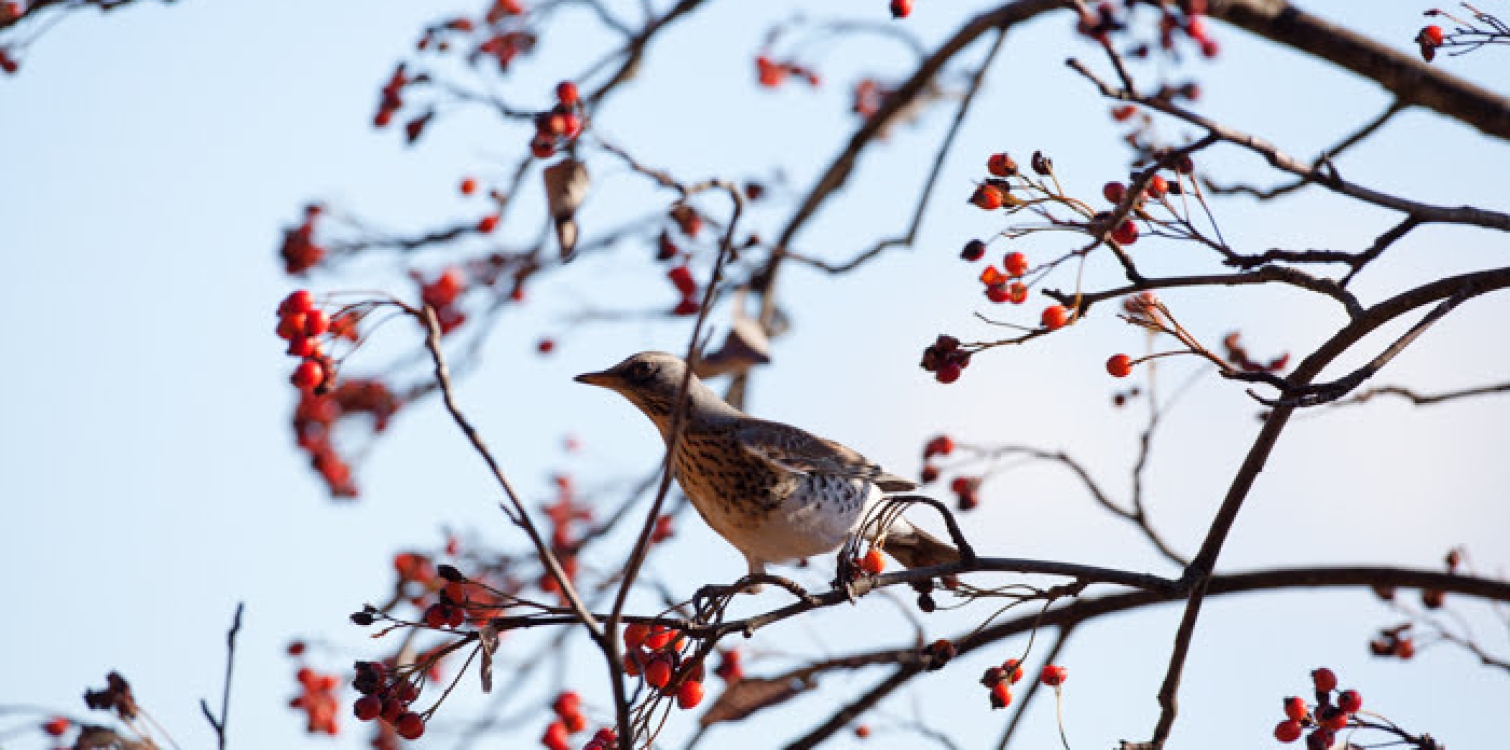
(797, 451)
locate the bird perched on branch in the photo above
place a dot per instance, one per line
(772, 490)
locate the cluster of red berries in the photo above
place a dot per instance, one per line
(569, 721)
(945, 359)
(442, 292)
(561, 124)
(771, 73)
(1394, 642)
(387, 699)
(1429, 39)
(555, 738)
(1001, 286)
(314, 425)
(1192, 22)
(1330, 715)
(317, 699)
(299, 251)
(655, 652)
(999, 680)
(302, 324)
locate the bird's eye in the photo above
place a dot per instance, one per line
(641, 371)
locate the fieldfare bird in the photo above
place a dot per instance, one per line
(775, 492)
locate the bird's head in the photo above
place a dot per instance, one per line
(651, 380)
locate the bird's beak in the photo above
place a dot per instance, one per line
(603, 379)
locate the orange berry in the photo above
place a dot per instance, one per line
(873, 562)
(487, 223)
(988, 197)
(468, 186)
(1001, 695)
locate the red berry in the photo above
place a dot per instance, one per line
(1126, 233)
(659, 638)
(296, 302)
(658, 673)
(303, 346)
(1287, 731)
(988, 197)
(436, 616)
(1119, 366)
(1295, 708)
(901, 8)
(367, 707)
(56, 726)
(316, 322)
(873, 562)
(605, 736)
(1017, 293)
(681, 278)
(1324, 679)
(862, 731)
(566, 93)
(567, 703)
(942, 445)
(974, 250)
(948, 373)
(487, 223)
(1431, 35)
(1158, 186)
(635, 633)
(1054, 317)
(998, 293)
(574, 723)
(1013, 669)
(1114, 192)
(689, 695)
(1001, 695)
(1350, 701)
(1053, 675)
(1001, 165)
(555, 736)
(468, 186)
(308, 375)
(291, 326)
(1016, 264)
(392, 707)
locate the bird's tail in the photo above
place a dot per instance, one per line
(915, 548)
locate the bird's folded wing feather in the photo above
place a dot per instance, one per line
(791, 449)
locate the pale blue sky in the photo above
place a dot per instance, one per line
(148, 475)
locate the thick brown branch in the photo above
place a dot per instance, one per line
(1410, 79)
